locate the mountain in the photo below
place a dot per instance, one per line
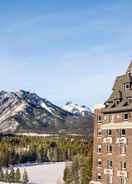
(77, 109)
(23, 111)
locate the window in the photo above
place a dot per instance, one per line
(130, 100)
(109, 164)
(123, 132)
(109, 148)
(122, 148)
(127, 86)
(109, 132)
(99, 148)
(99, 118)
(123, 165)
(126, 116)
(99, 163)
(98, 176)
(117, 102)
(99, 132)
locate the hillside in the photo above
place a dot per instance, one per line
(23, 111)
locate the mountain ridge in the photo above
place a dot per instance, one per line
(23, 111)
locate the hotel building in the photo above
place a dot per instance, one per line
(112, 152)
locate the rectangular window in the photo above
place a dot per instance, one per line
(99, 118)
(99, 176)
(127, 86)
(126, 116)
(99, 163)
(99, 132)
(123, 165)
(123, 132)
(130, 100)
(109, 148)
(123, 149)
(109, 132)
(99, 148)
(109, 164)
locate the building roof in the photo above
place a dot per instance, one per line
(121, 97)
(130, 67)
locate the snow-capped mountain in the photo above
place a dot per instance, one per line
(77, 109)
(24, 111)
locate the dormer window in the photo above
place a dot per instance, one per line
(117, 102)
(129, 74)
(130, 100)
(127, 86)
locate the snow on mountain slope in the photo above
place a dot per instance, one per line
(77, 109)
(23, 111)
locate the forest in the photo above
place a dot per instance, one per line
(21, 149)
(79, 171)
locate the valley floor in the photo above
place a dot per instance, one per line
(48, 173)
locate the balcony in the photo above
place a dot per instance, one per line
(107, 140)
(108, 172)
(122, 174)
(121, 140)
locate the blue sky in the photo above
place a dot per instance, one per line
(64, 50)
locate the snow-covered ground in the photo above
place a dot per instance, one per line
(45, 173)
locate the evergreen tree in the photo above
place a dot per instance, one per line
(25, 177)
(86, 170)
(1, 175)
(17, 175)
(12, 175)
(67, 176)
(6, 176)
(76, 170)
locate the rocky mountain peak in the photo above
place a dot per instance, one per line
(26, 111)
(77, 109)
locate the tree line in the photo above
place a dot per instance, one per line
(23, 149)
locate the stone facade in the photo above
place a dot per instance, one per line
(112, 152)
